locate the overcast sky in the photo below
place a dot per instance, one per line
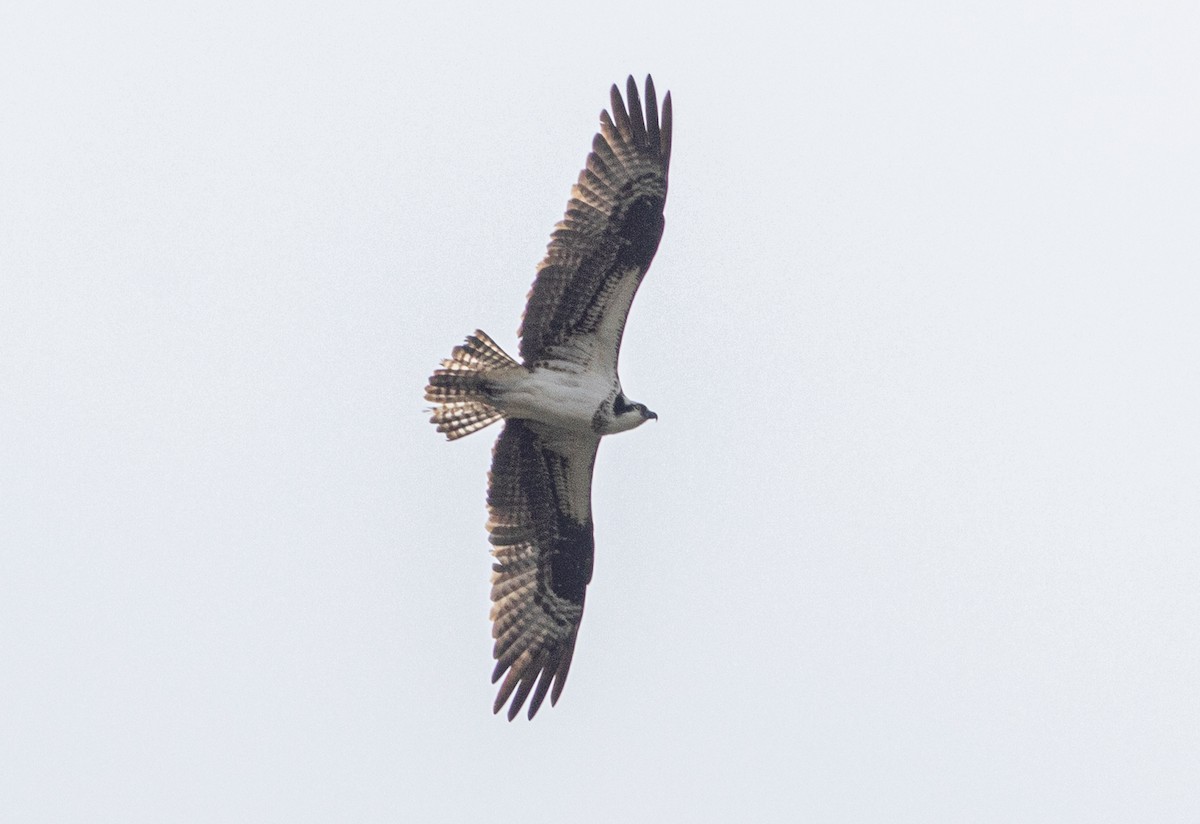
(915, 538)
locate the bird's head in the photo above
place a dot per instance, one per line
(628, 414)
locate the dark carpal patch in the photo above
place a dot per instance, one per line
(570, 548)
(640, 232)
(571, 559)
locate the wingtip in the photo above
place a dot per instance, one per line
(501, 699)
(668, 119)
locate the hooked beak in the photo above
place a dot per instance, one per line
(650, 415)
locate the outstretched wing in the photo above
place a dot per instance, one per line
(539, 501)
(602, 248)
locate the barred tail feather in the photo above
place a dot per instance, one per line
(459, 388)
(460, 418)
(478, 353)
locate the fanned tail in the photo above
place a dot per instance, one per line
(460, 387)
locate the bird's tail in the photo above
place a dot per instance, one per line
(461, 387)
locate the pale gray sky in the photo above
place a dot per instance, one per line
(916, 537)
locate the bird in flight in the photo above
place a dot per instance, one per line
(561, 398)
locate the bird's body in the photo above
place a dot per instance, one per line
(562, 398)
(573, 400)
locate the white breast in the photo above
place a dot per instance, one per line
(562, 399)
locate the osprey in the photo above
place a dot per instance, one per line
(561, 399)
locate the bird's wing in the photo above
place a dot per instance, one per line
(603, 246)
(539, 503)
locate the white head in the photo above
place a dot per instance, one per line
(627, 415)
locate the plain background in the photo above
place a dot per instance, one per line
(915, 537)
